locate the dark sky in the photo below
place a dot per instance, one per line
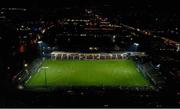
(156, 4)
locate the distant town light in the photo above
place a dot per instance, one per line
(114, 36)
(43, 31)
(95, 48)
(143, 53)
(90, 48)
(19, 78)
(25, 37)
(156, 19)
(82, 34)
(20, 87)
(138, 29)
(39, 42)
(8, 68)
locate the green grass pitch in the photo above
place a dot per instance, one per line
(86, 73)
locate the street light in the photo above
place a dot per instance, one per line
(25, 65)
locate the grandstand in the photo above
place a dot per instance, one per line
(93, 56)
(86, 56)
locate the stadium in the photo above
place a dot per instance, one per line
(86, 57)
(72, 70)
(90, 63)
(90, 74)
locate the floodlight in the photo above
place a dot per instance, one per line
(40, 42)
(136, 44)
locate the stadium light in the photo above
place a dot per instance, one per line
(40, 42)
(136, 44)
(158, 66)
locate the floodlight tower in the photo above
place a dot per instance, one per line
(45, 77)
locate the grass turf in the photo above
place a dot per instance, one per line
(86, 73)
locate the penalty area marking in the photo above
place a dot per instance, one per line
(42, 68)
(39, 69)
(137, 69)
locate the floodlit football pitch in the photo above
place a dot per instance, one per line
(87, 73)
